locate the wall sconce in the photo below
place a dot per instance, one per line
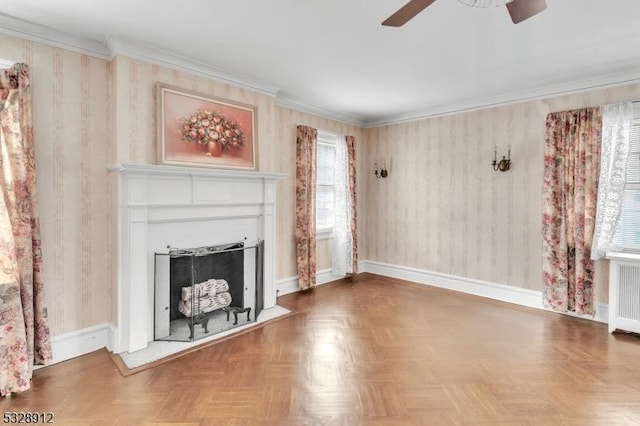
(504, 164)
(382, 173)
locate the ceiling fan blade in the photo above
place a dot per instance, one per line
(524, 9)
(406, 12)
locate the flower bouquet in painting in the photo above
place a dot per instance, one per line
(206, 127)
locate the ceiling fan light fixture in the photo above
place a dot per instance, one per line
(485, 3)
(519, 10)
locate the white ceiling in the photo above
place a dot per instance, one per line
(334, 57)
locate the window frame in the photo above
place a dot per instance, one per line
(331, 139)
(631, 186)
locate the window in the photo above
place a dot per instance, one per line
(325, 183)
(628, 235)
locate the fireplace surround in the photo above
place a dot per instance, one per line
(162, 206)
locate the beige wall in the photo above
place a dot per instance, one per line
(71, 118)
(444, 209)
(90, 113)
(134, 106)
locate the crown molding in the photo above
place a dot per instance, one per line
(117, 46)
(114, 46)
(39, 33)
(567, 88)
(290, 103)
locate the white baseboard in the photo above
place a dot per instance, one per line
(286, 286)
(290, 285)
(504, 293)
(80, 342)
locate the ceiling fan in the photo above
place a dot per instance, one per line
(518, 9)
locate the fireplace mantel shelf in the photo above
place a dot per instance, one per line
(154, 169)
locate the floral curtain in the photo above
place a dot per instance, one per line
(571, 165)
(351, 156)
(24, 330)
(306, 142)
(616, 139)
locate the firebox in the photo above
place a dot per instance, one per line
(206, 290)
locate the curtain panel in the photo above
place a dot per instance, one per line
(345, 241)
(342, 255)
(617, 120)
(351, 157)
(571, 166)
(306, 146)
(24, 330)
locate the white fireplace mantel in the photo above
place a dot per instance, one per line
(184, 207)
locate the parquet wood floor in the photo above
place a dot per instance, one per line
(375, 352)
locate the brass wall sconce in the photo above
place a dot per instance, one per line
(382, 173)
(504, 164)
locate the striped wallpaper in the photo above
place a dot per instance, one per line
(444, 209)
(90, 113)
(135, 121)
(71, 98)
(441, 209)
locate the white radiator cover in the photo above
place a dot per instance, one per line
(624, 292)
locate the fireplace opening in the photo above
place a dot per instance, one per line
(206, 290)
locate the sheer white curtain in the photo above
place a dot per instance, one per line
(616, 135)
(342, 238)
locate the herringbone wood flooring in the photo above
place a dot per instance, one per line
(377, 352)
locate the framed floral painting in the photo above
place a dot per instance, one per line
(198, 130)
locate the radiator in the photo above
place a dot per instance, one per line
(624, 296)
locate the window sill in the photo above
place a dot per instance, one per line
(324, 234)
(634, 257)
